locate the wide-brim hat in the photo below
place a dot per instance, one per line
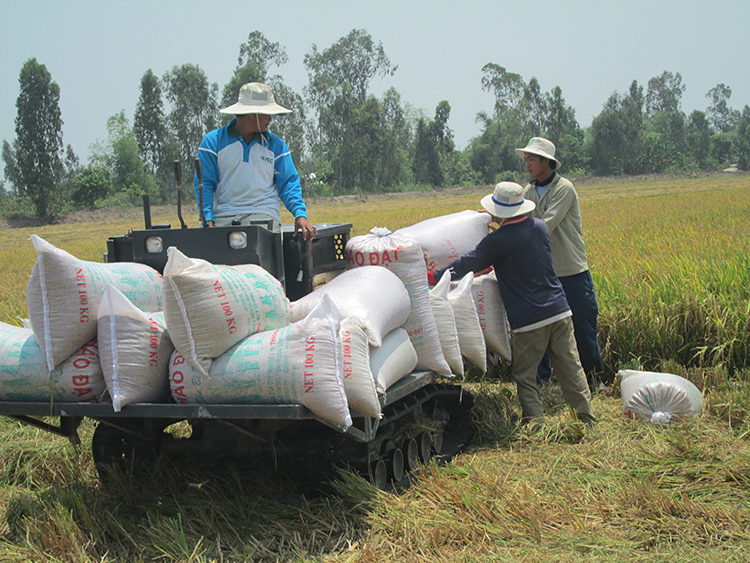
(507, 201)
(255, 98)
(540, 146)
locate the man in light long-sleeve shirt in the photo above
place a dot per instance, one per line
(247, 169)
(534, 299)
(557, 205)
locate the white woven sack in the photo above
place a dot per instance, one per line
(393, 360)
(446, 324)
(374, 296)
(448, 237)
(24, 375)
(298, 364)
(209, 308)
(135, 350)
(63, 296)
(492, 316)
(359, 383)
(658, 397)
(470, 335)
(404, 257)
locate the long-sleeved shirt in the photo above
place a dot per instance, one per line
(520, 254)
(243, 178)
(558, 208)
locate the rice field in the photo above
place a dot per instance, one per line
(671, 268)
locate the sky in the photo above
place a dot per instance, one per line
(97, 51)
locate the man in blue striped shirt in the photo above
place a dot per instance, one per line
(247, 169)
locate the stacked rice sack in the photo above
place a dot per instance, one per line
(24, 375)
(470, 337)
(64, 293)
(492, 317)
(448, 237)
(135, 351)
(209, 308)
(229, 334)
(405, 258)
(300, 363)
(58, 358)
(446, 324)
(372, 302)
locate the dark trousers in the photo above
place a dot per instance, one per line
(579, 290)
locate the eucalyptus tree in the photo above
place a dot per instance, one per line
(722, 117)
(433, 148)
(698, 140)
(618, 134)
(38, 147)
(150, 123)
(742, 140)
(559, 118)
(121, 156)
(664, 93)
(339, 82)
(507, 87)
(10, 169)
(193, 107)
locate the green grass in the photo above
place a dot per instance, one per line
(670, 264)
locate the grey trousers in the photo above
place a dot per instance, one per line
(528, 349)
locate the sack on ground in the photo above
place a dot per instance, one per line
(359, 383)
(393, 360)
(298, 364)
(492, 316)
(449, 237)
(470, 337)
(209, 308)
(374, 296)
(24, 375)
(63, 296)
(404, 257)
(135, 351)
(658, 397)
(446, 324)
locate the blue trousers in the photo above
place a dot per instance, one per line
(579, 290)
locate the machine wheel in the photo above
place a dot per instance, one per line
(379, 475)
(412, 455)
(425, 447)
(396, 465)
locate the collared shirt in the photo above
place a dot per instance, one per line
(241, 177)
(558, 207)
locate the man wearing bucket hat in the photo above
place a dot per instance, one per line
(557, 205)
(247, 169)
(535, 303)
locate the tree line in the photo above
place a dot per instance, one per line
(344, 139)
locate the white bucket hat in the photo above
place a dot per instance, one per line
(255, 98)
(540, 146)
(507, 201)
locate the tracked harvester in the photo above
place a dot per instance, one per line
(423, 417)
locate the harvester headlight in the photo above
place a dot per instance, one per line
(238, 240)
(154, 245)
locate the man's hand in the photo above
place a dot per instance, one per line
(307, 228)
(210, 223)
